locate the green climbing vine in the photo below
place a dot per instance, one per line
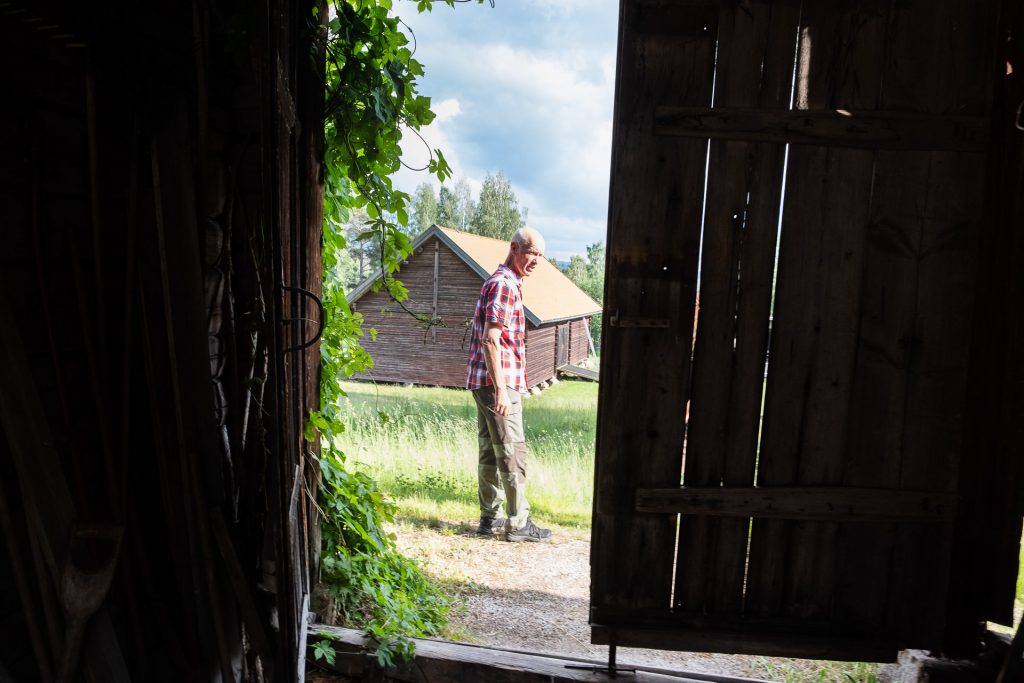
(371, 101)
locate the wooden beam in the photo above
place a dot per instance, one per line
(655, 203)
(437, 279)
(832, 128)
(744, 642)
(445, 662)
(817, 503)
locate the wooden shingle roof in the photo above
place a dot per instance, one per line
(548, 295)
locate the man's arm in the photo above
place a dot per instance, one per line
(492, 358)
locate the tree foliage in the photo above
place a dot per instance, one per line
(452, 207)
(497, 213)
(424, 207)
(456, 206)
(588, 274)
(371, 97)
(447, 208)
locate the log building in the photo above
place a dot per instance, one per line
(443, 276)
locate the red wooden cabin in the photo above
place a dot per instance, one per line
(443, 276)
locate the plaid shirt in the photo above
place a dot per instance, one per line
(500, 303)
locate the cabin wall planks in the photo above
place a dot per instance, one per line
(408, 349)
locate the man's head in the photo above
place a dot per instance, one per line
(525, 251)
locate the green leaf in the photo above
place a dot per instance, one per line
(324, 650)
(372, 93)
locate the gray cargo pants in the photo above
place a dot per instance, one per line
(502, 470)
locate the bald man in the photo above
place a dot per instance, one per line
(497, 378)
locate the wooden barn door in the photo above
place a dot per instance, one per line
(815, 173)
(562, 346)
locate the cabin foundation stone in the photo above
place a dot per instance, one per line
(919, 666)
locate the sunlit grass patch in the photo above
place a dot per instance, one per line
(420, 444)
(815, 671)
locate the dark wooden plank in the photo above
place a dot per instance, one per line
(804, 502)
(816, 310)
(44, 490)
(757, 254)
(925, 212)
(936, 383)
(740, 44)
(741, 641)
(952, 206)
(987, 545)
(878, 404)
(653, 239)
(867, 129)
(239, 586)
(756, 51)
(446, 662)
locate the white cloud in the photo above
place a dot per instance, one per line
(560, 105)
(418, 148)
(445, 110)
(567, 235)
(526, 88)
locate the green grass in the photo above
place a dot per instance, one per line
(420, 444)
(1020, 574)
(815, 671)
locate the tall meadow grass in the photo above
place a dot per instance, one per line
(420, 443)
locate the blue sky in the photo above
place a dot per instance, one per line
(527, 88)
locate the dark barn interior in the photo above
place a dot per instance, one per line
(861, 229)
(160, 203)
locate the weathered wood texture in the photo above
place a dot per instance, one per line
(988, 529)
(541, 349)
(446, 662)
(579, 341)
(666, 56)
(792, 564)
(825, 503)
(409, 349)
(731, 339)
(148, 236)
(773, 639)
(841, 128)
(846, 489)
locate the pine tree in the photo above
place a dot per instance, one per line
(424, 208)
(497, 212)
(464, 203)
(455, 206)
(447, 208)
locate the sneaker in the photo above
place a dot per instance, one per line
(530, 532)
(489, 526)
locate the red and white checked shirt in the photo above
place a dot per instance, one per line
(500, 303)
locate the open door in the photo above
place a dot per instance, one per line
(562, 346)
(816, 173)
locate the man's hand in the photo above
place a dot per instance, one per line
(492, 357)
(502, 406)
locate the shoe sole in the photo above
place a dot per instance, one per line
(494, 531)
(526, 539)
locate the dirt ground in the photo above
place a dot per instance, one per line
(534, 597)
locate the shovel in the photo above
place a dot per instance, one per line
(85, 581)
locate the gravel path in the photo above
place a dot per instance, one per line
(534, 597)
